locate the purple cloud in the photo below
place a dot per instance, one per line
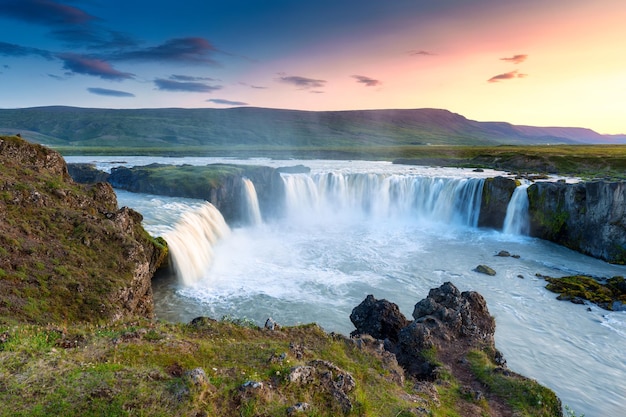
(226, 102)
(506, 76)
(81, 64)
(10, 49)
(45, 12)
(190, 50)
(190, 87)
(303, 83)
(369, 82)
(421, 52)
(110, 93)
(516, 59)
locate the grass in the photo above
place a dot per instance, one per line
(529, 398)
(142, 368)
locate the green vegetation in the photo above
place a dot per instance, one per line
(61, 254)
(526, 396)
(580, 287)
(150, 368)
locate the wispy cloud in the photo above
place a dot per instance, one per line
(421, 52)
(44, 12)
(369, 82)
(110, 93)
(258, 87)
(516, 59)
(180, 50)
(81, 64)
(10, 49)
(227, 102)
(302, 83)
(93, 37)
(506, 76)
(178, 77)
(179, 86)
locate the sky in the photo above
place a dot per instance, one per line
(531, 62)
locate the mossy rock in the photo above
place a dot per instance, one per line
(588, 288)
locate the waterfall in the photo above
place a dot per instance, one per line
(192, 240)
(251, 210)
(516, 221)
(330, 195)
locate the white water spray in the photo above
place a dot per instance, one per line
(516, 221)
(192, 240)
(251, 210)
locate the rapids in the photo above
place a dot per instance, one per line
(358, 228)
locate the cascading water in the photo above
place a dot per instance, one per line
(333, 195)
(192, 240)
(516, 221)
(251, 210)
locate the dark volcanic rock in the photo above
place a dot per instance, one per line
(378, 318)
(447, 322)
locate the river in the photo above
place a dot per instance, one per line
(347, 233)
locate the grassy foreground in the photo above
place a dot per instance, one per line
(227, 368)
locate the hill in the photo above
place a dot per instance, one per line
(267, 128)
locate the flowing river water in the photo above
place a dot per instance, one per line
(353, 228)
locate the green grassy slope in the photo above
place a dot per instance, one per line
(260, 128)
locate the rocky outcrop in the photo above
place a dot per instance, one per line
(219, 184)
(450, 331)
(87, 173)
(67, 253)
(497, 193)
(588, 217)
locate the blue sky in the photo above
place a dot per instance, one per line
(548, 62)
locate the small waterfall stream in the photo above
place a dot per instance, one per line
(251, 210)
(516, 221)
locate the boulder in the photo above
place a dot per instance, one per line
(484, 269)
(380, 319)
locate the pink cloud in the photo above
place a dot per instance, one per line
(516, 59)
(506, 76)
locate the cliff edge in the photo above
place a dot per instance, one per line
(67, 252)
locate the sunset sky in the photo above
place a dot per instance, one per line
(534, 62)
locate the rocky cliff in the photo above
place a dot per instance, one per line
(589, 217)
(67, 252)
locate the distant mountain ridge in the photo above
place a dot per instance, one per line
(250, 126)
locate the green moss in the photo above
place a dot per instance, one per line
(588, 288)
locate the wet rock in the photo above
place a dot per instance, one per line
(380, 319)
(484, 269)
(503, 253)
(497, 193)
